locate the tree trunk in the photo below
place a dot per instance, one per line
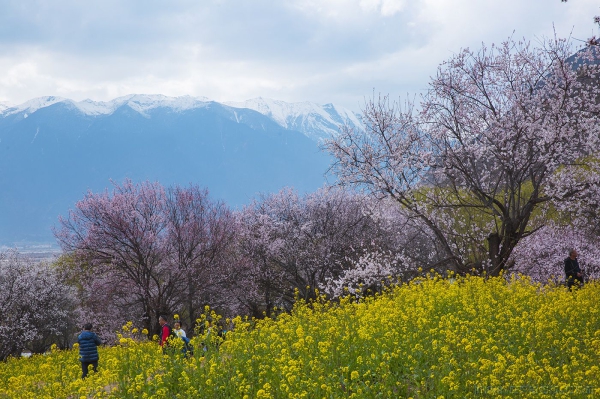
(494, 250)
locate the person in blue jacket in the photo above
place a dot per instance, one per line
(88, 349)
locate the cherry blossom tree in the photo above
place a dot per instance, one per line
(296, 244)
(369, 274)
(143, 251)
(37, 308)
(476, 163)
(260, 282)
(201, 238)
(575, 224)
(124, 234)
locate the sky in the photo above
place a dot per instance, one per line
(323, 51)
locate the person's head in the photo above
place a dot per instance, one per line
(87, 326)
(573, 253)
(177, 325)
(162, 320)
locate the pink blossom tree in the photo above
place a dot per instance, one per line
(476, 163)
(124, 234)
(575, 224)
(142, 252)
(200, 238)
(259, 282)
(293, 243)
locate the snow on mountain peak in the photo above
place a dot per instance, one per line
(145, 102)
(4, 105)
(314, 120)
(139, 102)
(32, 105)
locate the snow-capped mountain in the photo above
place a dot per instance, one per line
(4, 105)
(53, 150)
(313, 120)
(139, 102)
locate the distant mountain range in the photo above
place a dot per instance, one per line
(53, 150)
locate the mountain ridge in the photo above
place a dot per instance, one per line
(316, 121)
(52, 153)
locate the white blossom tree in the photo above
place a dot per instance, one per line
(541, 256)
(37, 308)
(369, 274)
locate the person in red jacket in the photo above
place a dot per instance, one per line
(165, 331)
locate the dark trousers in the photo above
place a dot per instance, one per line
(574, 280)
(85, 365)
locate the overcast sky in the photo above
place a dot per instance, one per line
(293, 50)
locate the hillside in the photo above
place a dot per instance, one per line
(432, 338)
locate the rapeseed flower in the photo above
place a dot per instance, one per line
(467, 337)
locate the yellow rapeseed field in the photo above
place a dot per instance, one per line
(433, 338)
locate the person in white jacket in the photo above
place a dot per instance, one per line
(178, 330)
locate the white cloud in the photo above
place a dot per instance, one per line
(325, 51)
(387, 8)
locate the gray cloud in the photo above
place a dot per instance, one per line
(334, 50)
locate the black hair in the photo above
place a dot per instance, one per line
(87, 326)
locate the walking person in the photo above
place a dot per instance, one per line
(573, 272)
(88, 349)
(187, 346)
(178, 330)
(165, 331)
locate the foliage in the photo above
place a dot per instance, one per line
(36, 307)
(465, 337)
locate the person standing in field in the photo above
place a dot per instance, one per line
(178, 330)
(187, 346)
(165, 331)
(574, 274)
(88, 349)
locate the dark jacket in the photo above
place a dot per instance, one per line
(572, 268)
(88, 346)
